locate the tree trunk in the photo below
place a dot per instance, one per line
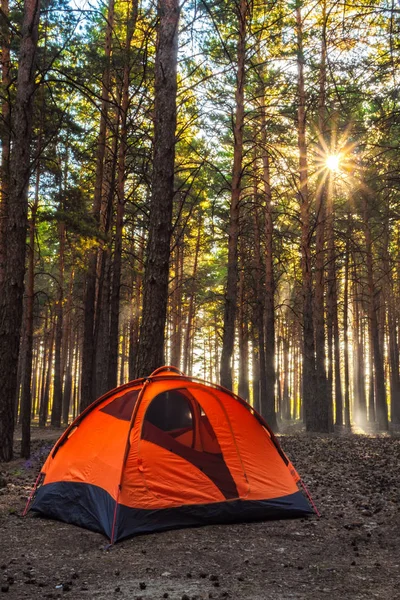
(155, 289)
(268, 409)
(56, 412)
(347, 418)
(6, 131)
(315, 413)
(321, 192)
(26, 397)
(259, 370)
(11, 297)
(120, 197)
(47, 368)
(192, 300)
(333, 320)
(360, 404)
(176, 306)
(135, 318)
(243, 390)
(88, 347)
(228, 337)
(379, 374)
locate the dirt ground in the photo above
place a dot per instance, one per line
(351, 552)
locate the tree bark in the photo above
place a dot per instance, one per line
(347, 418)
(268, 409)
(6, 132)
(333, 320)
(155, 288)
(379, 374)
(56, 412)
(321, 193)
(120, 197)
(314, 413)
(26, 396)
(192, 300)
(228, 337)
(243, 389)
(88, 346)
(11, 297)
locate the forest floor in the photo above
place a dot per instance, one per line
(351, 552)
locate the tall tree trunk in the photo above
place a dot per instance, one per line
(321, 192)
(228, 338)
(347, 419)
(192, 300)
(176, 306)
(333, 319)
(26, 397)
(243, 390)
(56, 412)
(379, 374)
(260, 392)
(155, 288)
(315, 413)
(135, 308)
(47, 368)
(6, 131)
(88, 347)
(359, 397)
(268, 410)
(256, 372)
(286, 413)
(11, 297)
(120, 197)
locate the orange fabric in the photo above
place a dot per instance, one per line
(93, 453)
(155, 477)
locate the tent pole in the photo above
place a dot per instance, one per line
(31, 494)
(310, 498)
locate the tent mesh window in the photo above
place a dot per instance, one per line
(174, 421)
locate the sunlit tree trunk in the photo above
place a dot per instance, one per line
(176, 305)
(136, 302)
(243, 340)
(192, 299)
(228, 338)
(11, 297)
(394, 334)
(56, 413)
(359, 392)
(47, 368)
(315, 409)
(268, 401)
(155, 287)
(347, 418)
(376, 354)
(26, 395)
(321, 193)
(259, 368)
(333, 319)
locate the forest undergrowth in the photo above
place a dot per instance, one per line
(350, 552)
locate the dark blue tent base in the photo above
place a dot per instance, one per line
(92, 507)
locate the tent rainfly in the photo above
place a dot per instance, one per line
(164, 452)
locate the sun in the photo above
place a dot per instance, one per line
(333, 162)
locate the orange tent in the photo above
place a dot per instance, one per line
(164, 452)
